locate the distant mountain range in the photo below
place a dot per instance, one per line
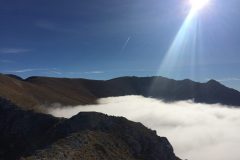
(27, 135)
(33, 92)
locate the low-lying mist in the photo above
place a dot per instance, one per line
(196, 131)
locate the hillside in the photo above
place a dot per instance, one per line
(29, 95)
(33, 92)
(87, 136)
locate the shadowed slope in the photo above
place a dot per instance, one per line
(157, 87)
(85, 135)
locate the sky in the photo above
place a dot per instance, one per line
(111, 38)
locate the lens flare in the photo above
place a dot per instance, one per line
(198, 4)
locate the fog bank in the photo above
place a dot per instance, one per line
(196, 131)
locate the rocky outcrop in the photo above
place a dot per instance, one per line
(85, 145)
(87, 136)
(143, 143)
(21, 132)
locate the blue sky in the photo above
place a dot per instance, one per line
(105, 39)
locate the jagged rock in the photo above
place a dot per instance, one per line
(88, 135)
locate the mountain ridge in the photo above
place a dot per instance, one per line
(88, 135)
(34, 92)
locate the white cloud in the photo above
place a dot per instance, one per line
(229, 79)
(23, 70)
(6, 61)
(46, 25)
(87, 72)
(48, 70)
(94, 72)
(53, 71)
(196, 131)
(51, 26)
(13, 50)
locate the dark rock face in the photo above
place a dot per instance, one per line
(35, 136)
(85, 145)
(142, 142)
(21, 131)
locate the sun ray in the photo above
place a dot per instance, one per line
(184, 49)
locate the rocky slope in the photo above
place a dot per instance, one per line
(33, 92)
(85, 145)
(87, 136)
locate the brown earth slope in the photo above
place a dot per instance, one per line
(30, 95)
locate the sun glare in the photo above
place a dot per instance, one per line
(198, 4)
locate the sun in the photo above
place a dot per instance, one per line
(198, 4)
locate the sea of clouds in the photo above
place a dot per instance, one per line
(196, 131)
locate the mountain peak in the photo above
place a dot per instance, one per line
(213, 82)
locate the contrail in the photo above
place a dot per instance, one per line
(126, 43)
